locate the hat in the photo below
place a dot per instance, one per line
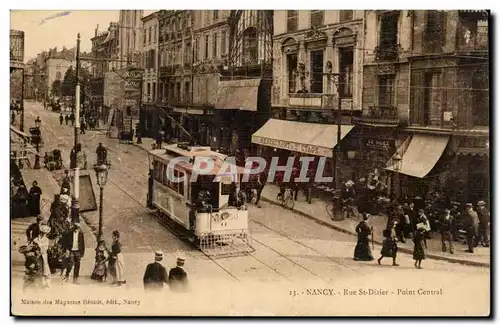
(468, 205)
(366, 216)
(180, 261)
(44, 228)
(158, 255)
(481, 203)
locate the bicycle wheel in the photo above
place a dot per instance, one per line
(289, 202)
(330, 209)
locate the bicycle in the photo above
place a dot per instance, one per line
(286, 200)
(348, 210)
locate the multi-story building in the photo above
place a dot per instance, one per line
(29, 80)
(175, 82)
(56, 64)
(317, 65)
(232, 74)
(130, 27)
(149, 62)
(105, 51)
(425, 99)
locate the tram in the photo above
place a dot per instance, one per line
(208, 205)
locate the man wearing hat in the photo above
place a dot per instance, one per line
(447, 228)
(34, 229)
(177, 277)
(66, 182)
(155, 274)
(471, 225)
(484, 223)
(74, 244)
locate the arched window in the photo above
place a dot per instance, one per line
(250, 46)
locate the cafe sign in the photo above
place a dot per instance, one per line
(292, 146)
(379, 144)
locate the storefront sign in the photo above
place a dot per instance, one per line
(293, 147)
(379, 144)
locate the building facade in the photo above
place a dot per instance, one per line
(56, 64)
(426, 96)
(317, 69)
(175, 84)
(105, 52)
(130, 27)
(149, 62)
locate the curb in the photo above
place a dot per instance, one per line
(404, 250)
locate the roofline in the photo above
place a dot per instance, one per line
(151, 16)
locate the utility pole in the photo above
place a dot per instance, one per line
(75, 206)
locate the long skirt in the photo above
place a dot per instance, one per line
(119, 268)
(389, 248)
(100, 271)
(362, 250)
(419, 251)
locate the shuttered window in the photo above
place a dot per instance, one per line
(434, 35)
(317, 18)
(292, 17)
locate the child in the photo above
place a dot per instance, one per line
(100, 272)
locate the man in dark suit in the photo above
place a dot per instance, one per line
(155, 275)
(447, 227)
(74, 244)
(177, 277)
(471, 224)
(34, 229)
(484, 223)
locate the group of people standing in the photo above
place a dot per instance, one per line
(24, 203)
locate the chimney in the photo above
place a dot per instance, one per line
(96, 30)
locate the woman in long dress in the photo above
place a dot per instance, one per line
(389, 245)
(419, 247)
(100, 272)
(118, 262)
(362, 250)
(43, 244)
(34, 199)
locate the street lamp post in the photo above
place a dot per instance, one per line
(75, 205)
(101, 172)
(398, 160)
(336, 152)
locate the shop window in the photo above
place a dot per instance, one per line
(292, 20)
(317, 71)
(317, 18)
(292, 67)
(386, 90)
(250, 46)
(434, 34)
(346, 62)
(387, 48)
(345, 15)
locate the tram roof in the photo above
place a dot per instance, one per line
(173, 150)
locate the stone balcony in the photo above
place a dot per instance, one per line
(319, 101)
(379, 115)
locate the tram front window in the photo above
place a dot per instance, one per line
(205, 192)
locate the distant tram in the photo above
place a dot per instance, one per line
(208, 207)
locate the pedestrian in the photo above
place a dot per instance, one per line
(117, 263)
(418, 248)
(74, 244)
(399, 215)
(34, 199)
(447, 228)
(100, 272)
(61, 119)
(66, 182)
(72, 118)
(422, 218)
(102, 154)
(43, 245)
(177, 277)
(362, 250)
(389, 245)
(20, 202)
(484, 223)
(67, 118)
(34, 229)
(159, 140)
(471, 225)
(155, 275)
(65, 199)
(82, 126)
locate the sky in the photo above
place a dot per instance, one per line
(60, 31)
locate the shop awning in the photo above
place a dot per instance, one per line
(19, 132)
(309, 138)
(421, 155)
(238, 95)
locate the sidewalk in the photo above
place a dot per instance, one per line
(317, 212)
